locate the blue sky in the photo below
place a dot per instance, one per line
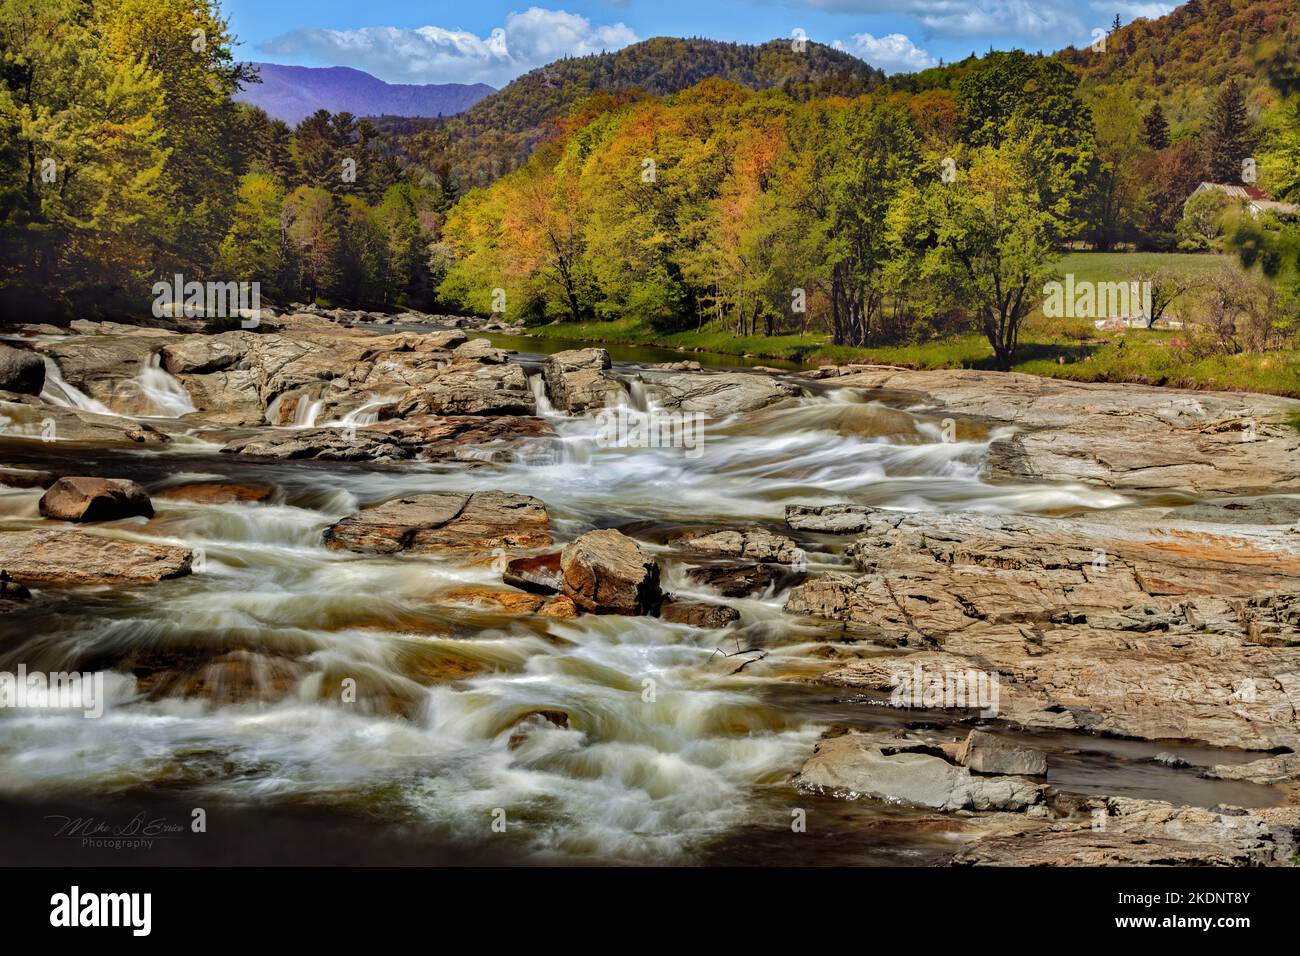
(493, 41)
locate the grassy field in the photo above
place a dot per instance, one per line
(1059, 348)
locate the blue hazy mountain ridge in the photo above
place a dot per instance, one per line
(290, 93)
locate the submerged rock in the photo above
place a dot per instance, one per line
(95, 499)
(13, 596)
(606, 572)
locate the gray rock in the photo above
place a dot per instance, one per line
(717, 394)
(988, 753)
(901, 772)
(577, 380)
(21, 371)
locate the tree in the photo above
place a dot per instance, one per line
(310, 225)
(987, 239)
(874, 156)
(254, 250)
(80, 189)
(1157, 128)
(1228, 135)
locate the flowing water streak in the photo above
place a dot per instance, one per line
(665, 746)
(61, 393)
(165, 394)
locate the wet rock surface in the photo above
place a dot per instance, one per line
(1150, 632)
(606, 572)
(95, 499)
(77, 557)
(481, 522)
(1128, 436)
(579, 380)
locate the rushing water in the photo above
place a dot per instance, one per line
(671, 752)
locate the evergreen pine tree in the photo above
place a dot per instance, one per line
(1228, 135)
(1157, 128)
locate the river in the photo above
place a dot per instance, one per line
(695, 770)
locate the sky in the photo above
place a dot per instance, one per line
(493, 41)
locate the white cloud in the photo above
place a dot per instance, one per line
(894, 53)
(1052, 23)
(439, 55)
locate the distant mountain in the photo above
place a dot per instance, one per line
(499, 131)
(290, 93)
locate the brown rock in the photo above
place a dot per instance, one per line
(697, 613)
(481, 521)
(738, 580)
(214, 492)
(756, 543)
(78, 557)
(606, 572)
(95, 499)
(540, 574)
(577, 380)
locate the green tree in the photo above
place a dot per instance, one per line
(986, 239)
(1228, 135)
(255, 250)
(1157, 128)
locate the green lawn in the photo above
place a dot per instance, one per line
(1059, 348)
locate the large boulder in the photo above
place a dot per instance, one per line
(577, 380)
(606, 572)
(21, 371)
(79, 557)
(482, 521)
(471, 388)
(95, 499)
(717, 394)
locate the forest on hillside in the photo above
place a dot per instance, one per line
(675, 193)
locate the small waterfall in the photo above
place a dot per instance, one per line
(58, 392)
(363, 415)
(537, 383)
(164, 393)
(636, 396)
(307, 412)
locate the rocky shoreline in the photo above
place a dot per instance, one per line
(1175, 618)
